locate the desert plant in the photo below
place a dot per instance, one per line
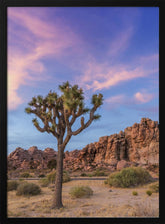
(154, 188)
(58, 114)
(52, 164)
(44, 182)
(149, 193)
(41, 175)
(145, 209)
(28, 189)
(90, 175)
(25, 175)
(83, 175)
(81, 191)
(135, 193)
(12, 185)
(65, 177)
(51, 177)
(99, 173)
(129, 177)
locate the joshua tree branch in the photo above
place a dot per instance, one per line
(83, 126)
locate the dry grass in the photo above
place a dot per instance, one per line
(103, 203)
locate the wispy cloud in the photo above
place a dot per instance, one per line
(121, 41)
(33, 41)
(104, 76)
(141, 97)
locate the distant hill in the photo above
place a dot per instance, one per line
(136, 145)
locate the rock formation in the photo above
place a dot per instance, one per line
(136, 145)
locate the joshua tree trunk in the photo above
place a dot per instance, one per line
(57, 201)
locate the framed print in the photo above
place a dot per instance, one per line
(80, 111)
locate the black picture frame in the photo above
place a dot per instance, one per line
(3, 104)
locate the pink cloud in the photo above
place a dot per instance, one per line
(143, 97)
(103, 76)
(34, 40)
(121, 41)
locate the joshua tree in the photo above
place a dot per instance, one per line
(58, 114)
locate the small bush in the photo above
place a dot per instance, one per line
(66, 177)
(99, 173)
(135, 193)
(81, 191)
(83, 175)
(28, 189)
(51, 177)
(41, 175)
(129, 177)
(44, 182)
(12, 185)
(90, 175)
(149, 192)
(154, 188)
(25, 175)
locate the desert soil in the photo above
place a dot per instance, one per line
(105, 202)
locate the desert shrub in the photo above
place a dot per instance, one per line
(66, 177)
(99, 173)
(12, 185)
(25, 175)
(145, 209)
(106, 181)
(50, 178)
(83, 175)
(41, 175)
(154, 188)
(81, 191)
(90, 175)
(149, 192)
(129, 177)
(28, 189)
(52, 164)
(135, 193)
(44, 182)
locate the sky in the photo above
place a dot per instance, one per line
(108, 50)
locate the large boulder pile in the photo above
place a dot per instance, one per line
(137, 145)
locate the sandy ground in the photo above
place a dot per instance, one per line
(105, 202)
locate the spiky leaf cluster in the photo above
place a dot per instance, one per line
(58, 113)
(97, 100)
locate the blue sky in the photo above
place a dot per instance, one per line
(108, 50)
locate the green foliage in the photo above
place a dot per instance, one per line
(90, 175)
(97, 100)
(99, 173)
(149, 192)
(81, 191)
(83, 175)
(71, 102)
(25, 175)
(52, 164)
(28, 189)
(44, 182)
(66, 177)
(154, 188)
(135, 193)
(41, 175)
(128, 177)
(12, 185)
(50, 178)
